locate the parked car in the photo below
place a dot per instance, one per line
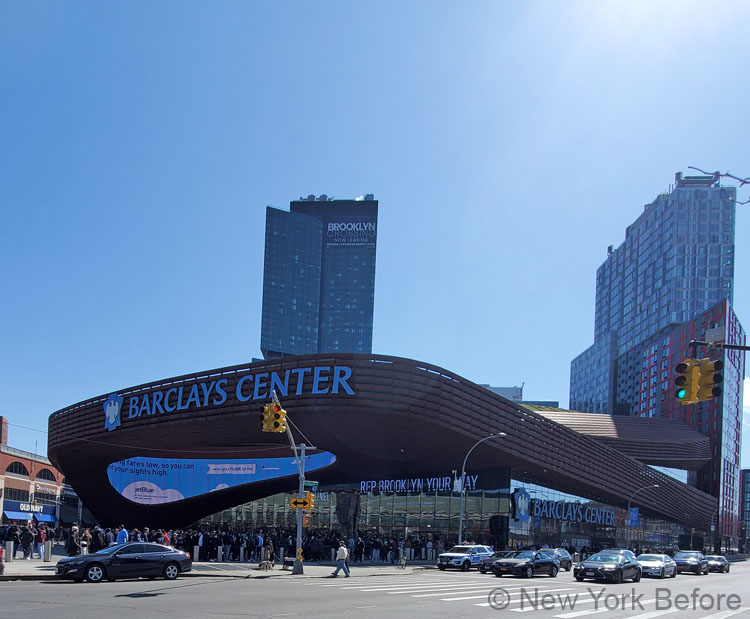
(606, 565)
(691, 561)
(126, 561)
(717, 563)
(657, 565)
(527, 563)
(563, 556)
(486, 564)
(463, 557)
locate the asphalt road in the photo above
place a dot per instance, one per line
(428, 593)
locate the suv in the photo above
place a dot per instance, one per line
(562, 555)
(463, 557)
(691, 561)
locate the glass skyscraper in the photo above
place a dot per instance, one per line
(319, 277)
(677, 260)
(670, 282)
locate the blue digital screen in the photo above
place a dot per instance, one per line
(153, 481)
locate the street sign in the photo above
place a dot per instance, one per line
(310, 485)
(299, 501)
(299, 554)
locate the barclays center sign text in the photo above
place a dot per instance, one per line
(321, 380)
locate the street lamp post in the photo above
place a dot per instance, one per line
(714, 531)
(628, 515)
(463, 479)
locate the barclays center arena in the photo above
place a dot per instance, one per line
(390, 437)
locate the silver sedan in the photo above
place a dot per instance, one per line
(657, 565)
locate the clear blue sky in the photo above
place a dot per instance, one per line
(509, 143)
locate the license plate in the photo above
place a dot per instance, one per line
(589, 572)
(503, 569)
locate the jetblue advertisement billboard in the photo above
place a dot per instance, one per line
(154, 481)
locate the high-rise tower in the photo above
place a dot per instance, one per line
(319, 277)
(671, 281)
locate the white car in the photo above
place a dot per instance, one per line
(463, 557)
(657, 565)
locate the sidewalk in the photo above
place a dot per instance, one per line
(36, 569)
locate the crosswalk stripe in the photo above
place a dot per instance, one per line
(476, 597)
(476, 589)
(655, 613)
(403, 583)
(726, 613)
(412, 586)
(594, 611)
(445, 590)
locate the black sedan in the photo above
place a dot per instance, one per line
(691, 561)
(126, 561)
(486, 564)
(717, 563)
(612, 567)
(526, 563)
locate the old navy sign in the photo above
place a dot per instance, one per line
(250, 387)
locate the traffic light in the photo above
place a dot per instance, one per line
(310, 496)
(274, 418)
(686, 381)
(709, 383)
(267, 418)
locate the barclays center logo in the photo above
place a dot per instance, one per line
(112, 408)
(522, 502)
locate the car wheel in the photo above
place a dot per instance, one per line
(579, 578)
(441, 568)
(618, 577)
(637, 576)
(482, 569)
(553, 571)
(726, 571)
(465, 566)
(498, 575)
(674, 573)
(529, 572)
(95, 572)
(568, 567)
(171, 571)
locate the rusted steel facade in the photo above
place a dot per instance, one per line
(389, 417)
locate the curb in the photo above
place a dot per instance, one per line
(250, 575)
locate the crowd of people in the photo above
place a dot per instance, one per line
(225, 544)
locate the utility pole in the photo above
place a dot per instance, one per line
(299, 458)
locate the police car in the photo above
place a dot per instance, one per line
(463, 557)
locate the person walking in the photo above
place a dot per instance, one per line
(27, 540)
(342, 554)
(74, 543)
(41, 537)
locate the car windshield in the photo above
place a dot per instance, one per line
(562, 552)
(109, 549)
(604, 558)
(650, 558)
(460, 549)
(687, 555)
(526, 554)
(503, 554)
(714, 558)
